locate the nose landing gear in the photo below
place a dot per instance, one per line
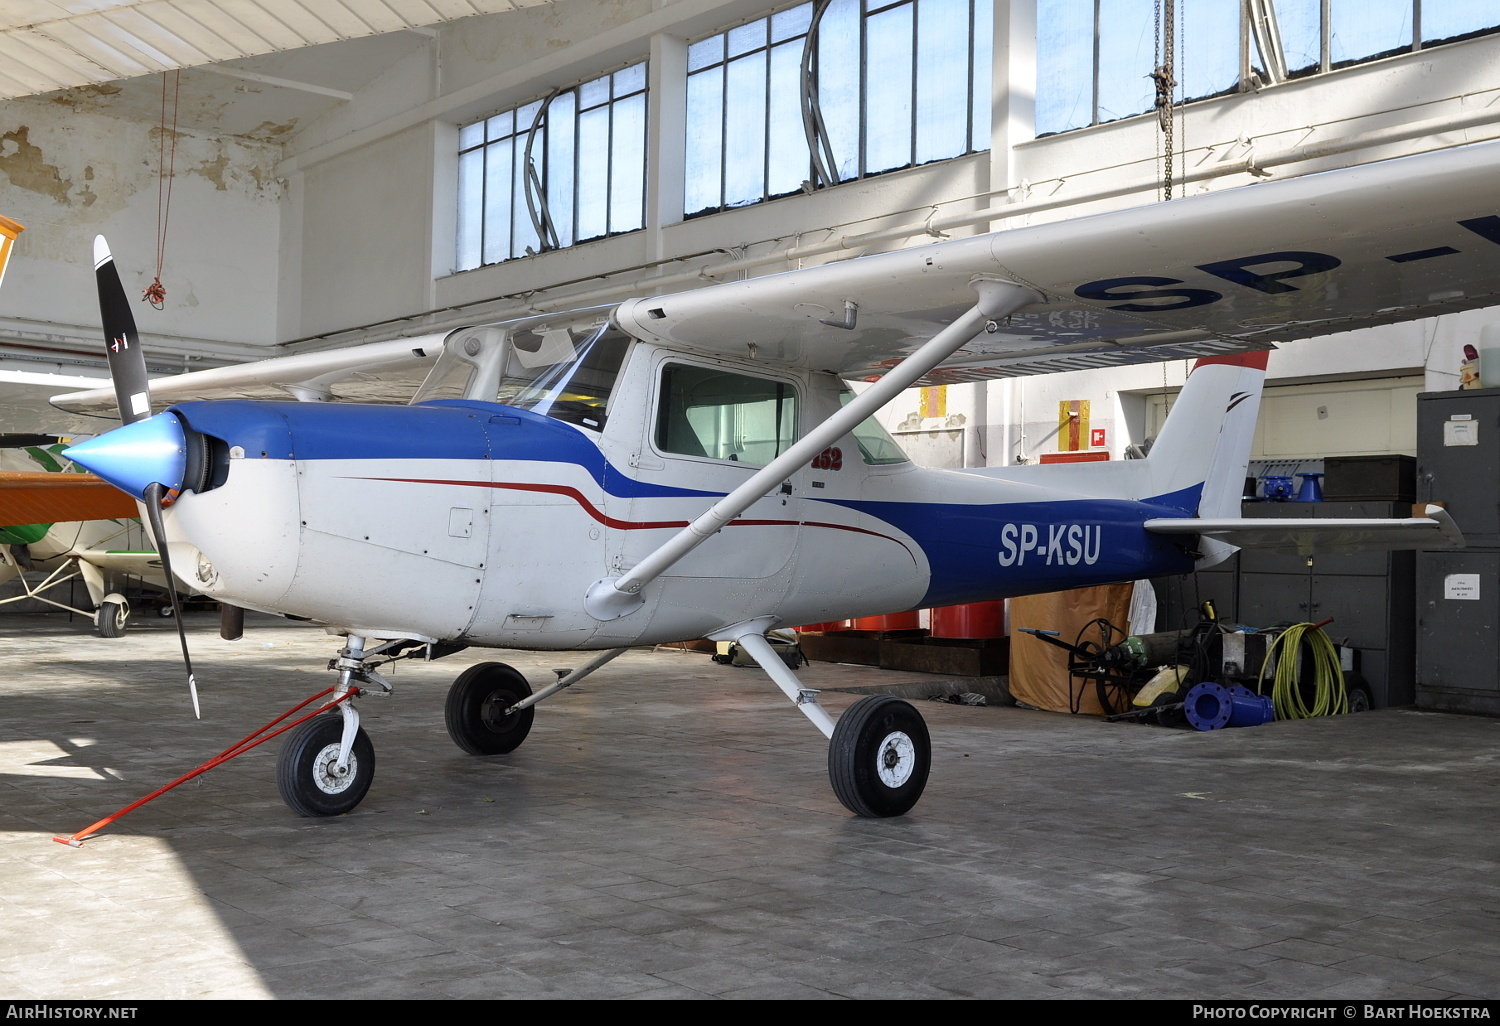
(311, 776)
(327, 764)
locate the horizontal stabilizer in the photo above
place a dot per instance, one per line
(1305, 536)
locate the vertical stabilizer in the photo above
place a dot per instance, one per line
(1206, 438)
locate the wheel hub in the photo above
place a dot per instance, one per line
(327, 775)
(492, 712)
(896, 759)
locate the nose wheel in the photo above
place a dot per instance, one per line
(879, 757)
(308, 774)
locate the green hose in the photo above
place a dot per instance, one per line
(1329, 696)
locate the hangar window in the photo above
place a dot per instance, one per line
(560, 170)
(1095, 57)
(706, 411)
(834, 90)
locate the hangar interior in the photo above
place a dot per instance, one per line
(299, 180)
(301, 176)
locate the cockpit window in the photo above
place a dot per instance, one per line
(710, 412)
(562, 374)
(876, 448)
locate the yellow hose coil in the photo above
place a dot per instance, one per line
(1329, 695)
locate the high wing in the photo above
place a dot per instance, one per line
(51, 498)
(1216, 273)
(1435, 529)
(382, 372)
(1224, 272)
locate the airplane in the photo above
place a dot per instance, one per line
(697, 465)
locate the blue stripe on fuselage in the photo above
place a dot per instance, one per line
(446, 430)
(995, 550)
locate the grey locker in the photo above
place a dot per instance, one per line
(1460, 475)
(1458, 647)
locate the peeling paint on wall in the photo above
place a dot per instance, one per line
(270, 131)
(24, 164)
(213, 170)
(84, 96)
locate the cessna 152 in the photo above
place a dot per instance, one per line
(694, 465)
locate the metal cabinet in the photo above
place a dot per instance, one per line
(1458, 591)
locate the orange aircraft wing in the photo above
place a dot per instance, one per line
(43, 498)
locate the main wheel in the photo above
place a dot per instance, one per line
(879, 757)
(307, 770)
(476, 705)
(112, 618)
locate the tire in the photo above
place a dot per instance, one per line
(879, 757)
(305, 773)
(474, 701)
(112, 618)
(1360, 699)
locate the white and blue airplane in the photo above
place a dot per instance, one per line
(695, 465)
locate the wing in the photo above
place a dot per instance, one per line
(382, 372)
(1220, 272)
(1435, 530)
(145, 565)
(43, 498)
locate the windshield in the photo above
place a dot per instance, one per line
(563, 375)
(876, 447)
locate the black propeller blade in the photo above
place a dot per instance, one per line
(122, 343)
(155, 494)
(127, 369)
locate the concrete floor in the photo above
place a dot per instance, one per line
(668, 831)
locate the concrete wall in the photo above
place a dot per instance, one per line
(68, 172)
(339, 227)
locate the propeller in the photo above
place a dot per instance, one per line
(146, 456)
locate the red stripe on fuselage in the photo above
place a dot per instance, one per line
(627, 525)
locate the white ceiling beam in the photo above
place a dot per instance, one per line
(280, 83)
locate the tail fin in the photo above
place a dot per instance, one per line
(1207, 436)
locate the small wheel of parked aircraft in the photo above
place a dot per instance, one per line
(111, 618)
(307, 772)
(879, 757)
(475, 707)
(1359, 698)
(165, 611)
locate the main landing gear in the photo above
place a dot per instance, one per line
(490, 705)
(879, 752)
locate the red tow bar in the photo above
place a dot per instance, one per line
(239, 748)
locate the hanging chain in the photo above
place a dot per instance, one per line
(1166, 83)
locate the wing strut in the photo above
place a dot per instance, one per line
(613, 597)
